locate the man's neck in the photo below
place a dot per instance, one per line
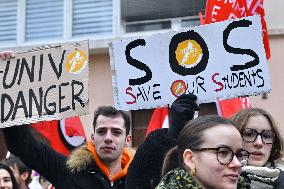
(114, 167)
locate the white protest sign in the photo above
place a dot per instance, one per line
(44, 83)
(220, 60)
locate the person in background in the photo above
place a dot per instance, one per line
(145, 170)
(21, 172)
(101, 163)
(209, 155)
(7, 179)
(39, 182)
(45, 184)
(262, 139)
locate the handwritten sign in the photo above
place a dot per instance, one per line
(220, 60)
(44, 83)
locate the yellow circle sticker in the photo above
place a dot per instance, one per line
(188, 53)
(76, 61)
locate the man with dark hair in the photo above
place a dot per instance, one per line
(101, 163)
(111, 135)
(21, 172)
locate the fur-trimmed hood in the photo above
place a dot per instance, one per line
(85, 158)
(81, 159)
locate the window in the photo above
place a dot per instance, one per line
(145, 15)
(91, 18)
(44, 19)
(8, 24)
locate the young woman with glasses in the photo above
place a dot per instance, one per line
(209, 154)
(262, 139)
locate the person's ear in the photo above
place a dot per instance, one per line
(127, 141)
(189, 159)
(24, 176)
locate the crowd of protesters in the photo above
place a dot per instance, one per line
(205, 152)
(14, 174)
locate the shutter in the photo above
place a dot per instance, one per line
(93, 17)
(8, 23)
(44, 19)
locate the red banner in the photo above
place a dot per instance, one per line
(217, 10)
(227, 108)
(158, 120)
(49, 129)
(74, 127)
(62, 138)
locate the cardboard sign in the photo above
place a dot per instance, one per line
(220, 60)
(44, 83)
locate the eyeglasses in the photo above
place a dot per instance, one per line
(250, 135)
(225, 155)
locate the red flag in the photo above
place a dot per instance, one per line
(62, 137)
(158, 120)
(227, 108)
(202, 21)
(49, 129)
(74, 127)
(217, 10)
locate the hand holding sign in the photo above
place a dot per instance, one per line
(7, 54)
(181, 111)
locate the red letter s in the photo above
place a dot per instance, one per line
(217, 82)
(128, 91)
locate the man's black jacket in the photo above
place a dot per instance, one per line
(40, 157)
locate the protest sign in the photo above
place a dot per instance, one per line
(44, 83)
(220, 60)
